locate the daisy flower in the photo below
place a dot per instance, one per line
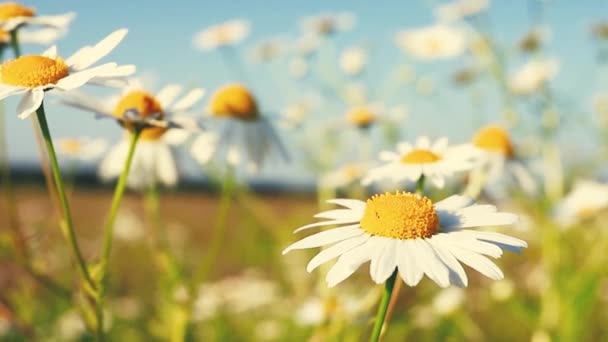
(82, 148)
(14, 15)
(497, 159)
(343, 176)
(460, 9)
(353, 61)
(409, 233)
(32, 75)
(435, 161)
(162, 125)
(328, 23)
(587, 199)
(245, 136)
(224, 34)
(361, 116)
(533, 76)
(434, 42)
(268, 50)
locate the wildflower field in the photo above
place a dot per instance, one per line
(405, 171)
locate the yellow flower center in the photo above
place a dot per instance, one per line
(10, 10)
(33, 71)
(145, 104)
(5, 38)
(361, 117)
(234, 101)
(401, 215)
(420, 156)
(495, 139)
(70, 146)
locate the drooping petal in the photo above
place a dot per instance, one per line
(350, 261)
(478, 262)
(385, 262)
(408, 269)
(458, 276)
(30, 102)
(188, 101)
(168, 94)
(429, 262)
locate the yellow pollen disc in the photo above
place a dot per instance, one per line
(361, 117)
(234, 101)
(401, 215)
(33, 71)
(10, 10)
(146, 105)
(420, 156)
(495, 139)
(70, 146)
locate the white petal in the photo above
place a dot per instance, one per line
(454, 202)
(409, 270)
(455, 220)
(350, 261)
(6, 91)
(30, 102)
(466, 241)
(440, 145)
(438, 180)
(500, 239)
(335, 251)
(404, 148)
(91, 54)
(423, 142)
(79, 78)
(336, 214)
(429, 263)
(325, 238)
(167, 94)
(388, 156)
(384, 263)
(165, 165)
(478, 262)
(57, 21)
(86, 102)
(349, 203)
(457, 274)
(51, 52)
(188, 101)
(111, 165)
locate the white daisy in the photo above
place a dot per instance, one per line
(434, 42)
(497, 162)
(32, 75)
(353, 61)
(408, 233)
(268, 50)
(161, 119)
(245, 136)
(343, 176)
(533, 76)
(224, 34)
(81, 148)
(460, 9)
(14, 15)
(586, 200)
(435, 162)
(328, 23)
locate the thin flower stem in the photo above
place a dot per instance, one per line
(399, 285)
(382, 308)
(219, 230)
(109, 231)
(66, 224)
(15, 43)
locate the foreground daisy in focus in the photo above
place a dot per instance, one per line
(32, 75)
(162, 123)
(245, 136)
(409, 233)
(586, 200)
(434, 161)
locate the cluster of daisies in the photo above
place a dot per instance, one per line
(235, 129)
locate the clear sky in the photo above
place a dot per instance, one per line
(160, 44)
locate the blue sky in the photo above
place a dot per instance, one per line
(160, 35)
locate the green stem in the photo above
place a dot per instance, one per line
(66, 225)
(382, 308)
(420, 185)
(15, 43)
(109, 231)
(219, 230)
